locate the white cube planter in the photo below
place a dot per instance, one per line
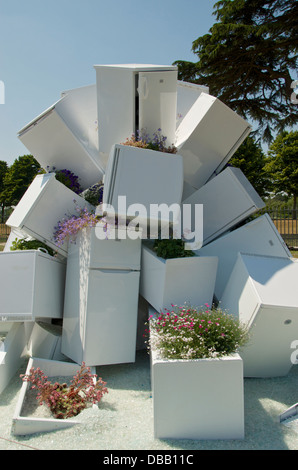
(23, 425)
(32, 286)
(45, 202)
(211, 405)
(176, 281)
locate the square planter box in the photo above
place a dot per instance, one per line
(32, 286)
(22, 425)
(211, 404)
(45, 202)
(176, 281)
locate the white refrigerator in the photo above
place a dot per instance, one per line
(207, 138)
(44, 204)
(150, 181)
(101, 299)
(227, 200)
(262, 292)
(32, 286)
(259, 236)
(64, 136)
(132, 97)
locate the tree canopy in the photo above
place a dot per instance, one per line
(251, 159)
(282, 166)
(18, 177)
(247, 60)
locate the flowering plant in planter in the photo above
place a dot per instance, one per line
(196, 333)
(68, 228)
(143, 140)
(65, 400)
(23, 244)
(66, 177)
(94, 194)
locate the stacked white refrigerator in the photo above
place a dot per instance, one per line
(64, 136)
(262, 292)
(101, 299)
(132, 173)
(132, 97)
(258, 237)
(207, 138)
(227, 200)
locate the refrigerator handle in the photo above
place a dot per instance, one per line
(143, 88)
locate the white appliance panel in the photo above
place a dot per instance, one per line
(259, 236)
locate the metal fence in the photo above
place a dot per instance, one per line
(4, 232)
(286, 222)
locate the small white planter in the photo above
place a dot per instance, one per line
(22, 425)
(198, 399)
(176, 281)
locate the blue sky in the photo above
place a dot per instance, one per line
(51, 46)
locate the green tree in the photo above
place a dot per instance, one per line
(3, 171)
(18, 177)
(251, 159)
(247, 59)
(282, 166)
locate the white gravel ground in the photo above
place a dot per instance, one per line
(124, 418)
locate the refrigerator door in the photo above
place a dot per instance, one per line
(259, 237)
(111, 323)
(100, 315)
(208, 137)
(111, 249)
(132, 171)
(63, 136)
(158, 103)
(227, 200)
(118, 106)
(262, 291)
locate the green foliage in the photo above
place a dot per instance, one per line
(18, 177)
(171, 248)
(247, 59)
(30, 245)
(251, 160)
(282, 166)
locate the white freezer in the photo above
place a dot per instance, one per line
(262, 292)
(32, 286)
(65, 136)
(259, 236)
(144, 177)
(132, 97)
(45, 202)
(227, 200)
(101, 304)
(187, 94)
(208, 137)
